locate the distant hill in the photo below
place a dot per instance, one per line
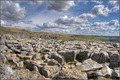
(65, 37)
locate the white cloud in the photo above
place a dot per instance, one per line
(60, 5)
(36, 2)
(97, 1)
(115, 5)
(87, 16)
(3, 22)
(11, 12)
(25, 25)
(100, 10)
(83, 18)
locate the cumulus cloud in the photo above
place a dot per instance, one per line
(115, 5)
(87, 16)
(100, 10)
(83, 18)
(97, 1)
(36, 2)
(99, 28)
(60, 5)
(11, 12)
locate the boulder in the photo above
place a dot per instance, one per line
(57, 57)
(3, 48)
(89, 65)
(68, 55)
(48, 70)
(27, 48)
(36, 56)
(20, 64)
(30, 64)
(100, 57)
(25, 74)
(114, 60)
(116, 72)
(70, 74)
(2, 58)
(12, 57)
(83, 55)
(37, 49)
(52, 62)
(27, 57)
(15, 50)
(105, 72)
(24, 52)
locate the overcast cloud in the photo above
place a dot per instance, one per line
(11, 12)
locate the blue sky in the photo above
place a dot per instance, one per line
(65, 17)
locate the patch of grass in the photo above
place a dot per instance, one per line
(72, 63)
(38, 59)
(64, 37)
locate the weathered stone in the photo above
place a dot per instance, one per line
(100, 57)
(27, 57)
(68, 55)
(57, 57)
(2, 58)
(71, 74)
(49, 70)
(89, 65)
(105, 71)
(37, 49)
(3, 48)
(7, 72)
(36, 56)
(83, 55)
(52, 62)
(20, 64)
(114, 60)
(27, 48)
(116, 72)
(15, 50)
(25, 74)
(30, 64)
(103, 78)
(23, 52)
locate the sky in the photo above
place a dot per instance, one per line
(92, 17)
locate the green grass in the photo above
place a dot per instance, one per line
(72, 63)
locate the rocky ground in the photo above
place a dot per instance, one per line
(57, 59)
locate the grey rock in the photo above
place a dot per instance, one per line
(48, 71)
(25, 74)
(57, 57)
(68, 55)
(20, 64)
(30, 64)
(36, 56)
(7, 72)
(114, 60)
(104, 72)
(83, 55)
(52, 62)
(89, 65)
(116, 72)
(2, 58)
(71, 74)
(100, 57)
